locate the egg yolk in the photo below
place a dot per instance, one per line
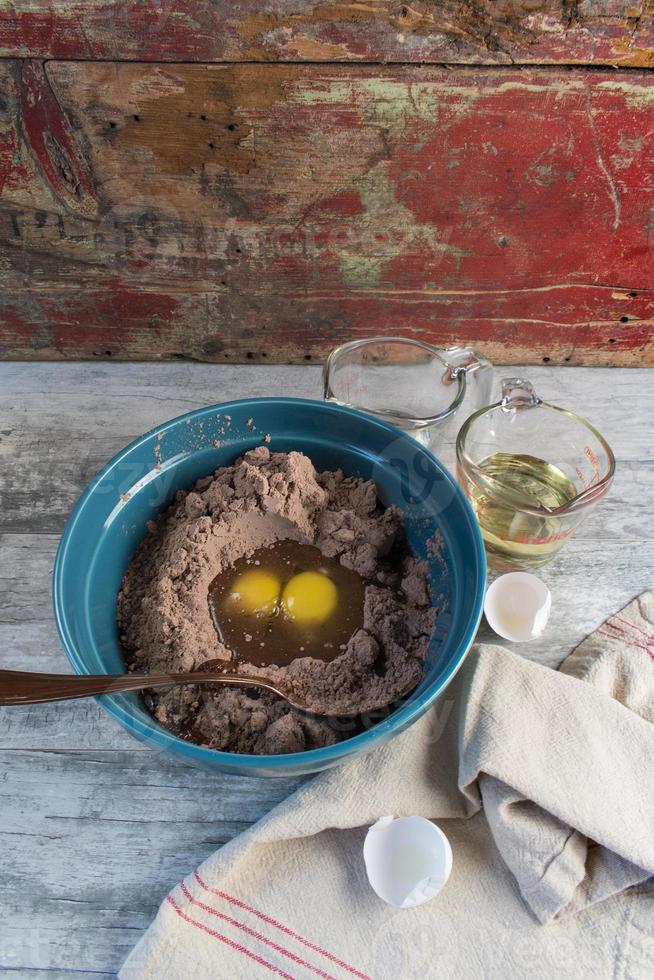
(256, 592)
(309, 597)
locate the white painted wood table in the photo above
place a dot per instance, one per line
(96, 828)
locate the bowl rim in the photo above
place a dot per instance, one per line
(398, 720)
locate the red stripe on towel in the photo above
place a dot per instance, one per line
(279, 925)
(228, 942)
(628, 640)
(633, 626)
(255, 934)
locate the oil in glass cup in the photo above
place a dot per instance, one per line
(532, 472)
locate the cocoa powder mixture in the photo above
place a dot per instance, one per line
(165, 622)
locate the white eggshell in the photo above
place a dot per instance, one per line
(517, 606)
(407, 860)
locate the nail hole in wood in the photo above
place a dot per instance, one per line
(136, 118)
(249, 355)
(203, 118)
(211, 146)
(112, 124)
(624, 319)
(307, 357)
(611, 340)
(546, 360)
(633, 294)
(231, 127)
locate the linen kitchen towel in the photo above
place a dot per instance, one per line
(561, 762)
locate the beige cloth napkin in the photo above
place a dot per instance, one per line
(561, 763)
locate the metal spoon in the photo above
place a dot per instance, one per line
(23, 687)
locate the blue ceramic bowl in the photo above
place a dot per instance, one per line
(110, 519)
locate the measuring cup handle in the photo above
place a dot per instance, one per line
(476, 372)
(518, 393)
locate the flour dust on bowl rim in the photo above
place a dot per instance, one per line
(110, 519)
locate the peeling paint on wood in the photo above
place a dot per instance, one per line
(612, 32)
(270, 211)
(53, 147)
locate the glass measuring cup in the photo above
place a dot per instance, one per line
(407, 382)
(532, 472)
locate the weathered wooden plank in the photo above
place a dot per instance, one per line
(98, 319)
(52, 444)
(25, 576)
(69, 725)
(49, 134)
(269, 212)
(512, 31)
(55, 434)
(92, 842)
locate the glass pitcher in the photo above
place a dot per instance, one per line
(407, 382)
(532, 472)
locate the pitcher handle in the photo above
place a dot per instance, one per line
(475, 371)
(518, 393)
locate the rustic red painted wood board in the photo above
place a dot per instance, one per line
(274, 210)
(614, 32)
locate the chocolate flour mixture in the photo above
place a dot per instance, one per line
(166, 625)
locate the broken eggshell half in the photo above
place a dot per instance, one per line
(517, 606)
(408, 860)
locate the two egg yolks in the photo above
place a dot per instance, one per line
(309, 597)
(286, 600)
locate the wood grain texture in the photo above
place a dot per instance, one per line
(95, 827)
(92, 843)
(55, 434)
(613, 32)
(270, 212)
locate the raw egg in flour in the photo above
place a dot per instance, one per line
(256, 592)
(285, 601)
(310, 597)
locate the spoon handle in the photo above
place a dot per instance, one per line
(23, 687)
